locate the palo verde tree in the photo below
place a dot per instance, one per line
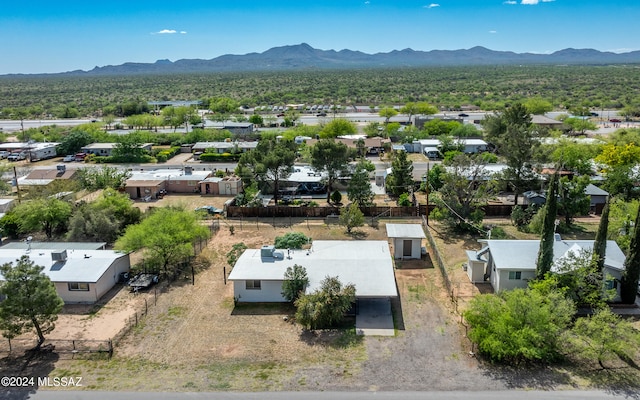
(270, 162)
(31, 300)
(550, 210)
(325, 307)
(332, 157)
(166, 236)
(42, 214)
(631, 274)
(103, 177)
(295, 282)
(519, 325)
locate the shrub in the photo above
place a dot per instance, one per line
(291, 240)
(336, 197)
(404, 200)
(215, 157)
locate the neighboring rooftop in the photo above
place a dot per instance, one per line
(412, 231)
(55, 245)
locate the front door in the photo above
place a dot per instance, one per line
(406, 248)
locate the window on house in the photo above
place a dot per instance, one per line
(253, 285)
(611, 284)
(515, 275)
(78, 286)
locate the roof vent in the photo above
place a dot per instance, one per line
(557, 237)
(188, 170)
(60, 255)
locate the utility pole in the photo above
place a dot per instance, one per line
(427, 189)
(15, 178)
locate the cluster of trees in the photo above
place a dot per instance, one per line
(449, 88)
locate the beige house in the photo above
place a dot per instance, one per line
(143, 184)
(80, 275)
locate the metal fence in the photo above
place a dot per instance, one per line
(438, 258)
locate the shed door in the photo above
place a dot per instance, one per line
(406, 248)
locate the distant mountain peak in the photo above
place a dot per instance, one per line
(302, 56)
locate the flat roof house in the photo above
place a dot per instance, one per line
(259, 273)
(80, 275)
(105, 149)
(510, 264)
(149, 183)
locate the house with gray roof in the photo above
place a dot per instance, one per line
(510, 264)
(80, 273)
(259, 273)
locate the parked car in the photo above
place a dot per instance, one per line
(4, 154)
(210, 210)
(69, 158)
(16, 157)
(322, 114)
(80, 156)
(463, 115)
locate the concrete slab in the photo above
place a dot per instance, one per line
(374, 317)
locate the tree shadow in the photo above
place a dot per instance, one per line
(358, 235)
(31, 364)
(619, 381)
(528, 377)
(338, 338)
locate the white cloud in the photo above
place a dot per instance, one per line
(533, 2)
(183, 32)
(493, 32)
(367, 2)
(432, 5)
(511, 2)
(166, 31)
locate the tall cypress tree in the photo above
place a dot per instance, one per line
(600, 245)
(631, 274)
(545, 253)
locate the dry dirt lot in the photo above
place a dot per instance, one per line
(195, 339)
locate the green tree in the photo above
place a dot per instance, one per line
(600, 244)
(466, 186)
(514, 137)
(545, 253)
(580, 125)
(235, 253)
(351, 217)
(332, 157)
(128, 149)
(256, 119)
(103, 177)
(519, 325)
(574, 156)
(604, 337)
(291, 240)
(31, 300)
(295, 282)
(631, 273)
(337, 127)
(573, 199)
(538, 105)
(387, 113)
(74, 141)
(325, 307)
(166, 236)
(42, 214)
(359, 190)
(420, 108)
(270, 162)
(401, 178)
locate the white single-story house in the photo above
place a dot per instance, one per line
(224, 147)
(81, 275)
(469, 145)
(406, 240)
(259, 273)
(105, 149)
(510, 264)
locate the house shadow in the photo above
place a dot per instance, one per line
(484, 288)
(285, 309)
(396, 313)
(81, 309)
(340, 337)
(30, 364)
(424, 263)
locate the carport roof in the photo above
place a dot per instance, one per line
(365, 263)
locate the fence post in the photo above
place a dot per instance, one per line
(224, 274)
(9, 345)
(146, 307)
(110, 348)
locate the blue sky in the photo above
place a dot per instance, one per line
(57, 36)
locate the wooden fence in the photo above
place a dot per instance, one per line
(492, 210)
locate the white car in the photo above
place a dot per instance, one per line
(69, 158)
(16, 157)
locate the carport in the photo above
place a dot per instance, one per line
(374, 317)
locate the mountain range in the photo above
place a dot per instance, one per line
(304, 57)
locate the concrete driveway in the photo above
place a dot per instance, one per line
(374, 317)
